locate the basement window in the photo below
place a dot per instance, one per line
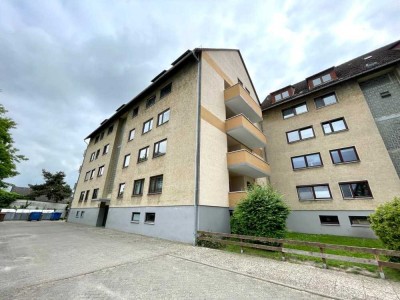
(329, 220)
(135, 217)
(359, 221)
(150, 218)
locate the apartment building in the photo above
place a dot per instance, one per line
(179, 156)
(334, 143)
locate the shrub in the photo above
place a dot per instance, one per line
(386, 223)
(7, 198)
(261, 213)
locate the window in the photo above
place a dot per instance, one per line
(138, 187)
(314, 192)
(143, 154)
(92, 156)
(97, 154)
(329, 220)
(281, 96)
(106, 148)
(156, 183)
(322, 79)
(82, 196)
(82, 214)
(306, 161)
(150, 218)
(357, 189)
(325, 100)
(95, 193)
(135, 112)
(165, 90)
(295, 110)
(110, 129)
(344, 155)
(359, 220)
(87, 175)
(101, 135)
(334, 126)
(240, 82)
(300, 134)
(121, 189)
(96, 139)
(147, 126)
(127, 159)
(131, 135)
(77, 214)
(87, 195)
(92, 173)
(151, 101)
(135, 217)
(100, 172)
(163, 117)
(160, 148)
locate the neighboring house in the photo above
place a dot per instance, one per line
(179, 156)
(26, 191)
(334, 143)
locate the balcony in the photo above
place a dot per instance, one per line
(243, 162)
(238, 100)
(242, 130)
(236, 197)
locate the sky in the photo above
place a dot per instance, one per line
(66, 65)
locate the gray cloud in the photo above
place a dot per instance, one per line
(67, 65)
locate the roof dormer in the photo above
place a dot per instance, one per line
(281, 94)
(321, 78)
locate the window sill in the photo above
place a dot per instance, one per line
(159, 155)
(141, 161)
(325, 105)
(330, 224)
(309, 200)
(135, 222)
(162, 123)
(346, 162)
(143, 133)
(150, 194)
(307, 168)
(359, 198)
(138, 195)
(336, 132)
(310, 138)
(356, 225)
(149, 223)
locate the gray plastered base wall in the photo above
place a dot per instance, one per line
(215, 219)
(309, 222)
(89, 217)
(171, 222)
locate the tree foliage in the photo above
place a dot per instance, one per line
(386, 223)
(261, 213)
(6, 198)
(8, 153)
(54, 188)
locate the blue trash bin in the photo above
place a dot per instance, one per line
(35, 216)
(55, 216)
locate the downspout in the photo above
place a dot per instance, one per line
(197, 159)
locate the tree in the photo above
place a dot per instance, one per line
(6, 198)
(261, 213)
(54, 188)
(386, 223)
(8, 153)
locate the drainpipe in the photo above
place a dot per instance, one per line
(197, 159)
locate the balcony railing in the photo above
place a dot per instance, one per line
(238, 100)
(241, 129)
(236, 197)
(243, 162)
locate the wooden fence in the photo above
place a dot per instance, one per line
(248, 241)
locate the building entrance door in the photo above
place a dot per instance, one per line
(102, 217)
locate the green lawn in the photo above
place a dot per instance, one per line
(328, 239)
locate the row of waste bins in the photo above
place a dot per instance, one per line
(29, 215)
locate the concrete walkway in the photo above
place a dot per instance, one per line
(67, 261)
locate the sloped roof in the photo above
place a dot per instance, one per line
(358, 66)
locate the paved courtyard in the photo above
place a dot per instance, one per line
(68, 261)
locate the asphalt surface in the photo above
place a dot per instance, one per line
(42, 260)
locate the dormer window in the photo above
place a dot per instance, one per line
(321, 78)
(283, 93)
